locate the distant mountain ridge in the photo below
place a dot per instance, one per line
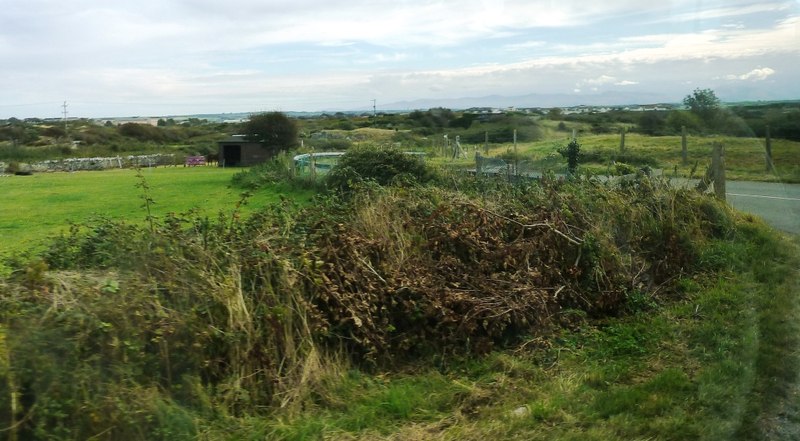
(535, 100)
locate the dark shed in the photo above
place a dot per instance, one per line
(237, 151)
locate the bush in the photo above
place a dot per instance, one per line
(141, 132)
(13, 167)
(54, 132)
(378, 165)
(572, 154)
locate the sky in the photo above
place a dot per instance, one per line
(176, 57)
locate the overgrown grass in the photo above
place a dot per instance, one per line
(475, 310)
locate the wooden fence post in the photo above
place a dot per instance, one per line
(684, 150)
(718, 167)
(313, 165)
(516, 156)
(768, 147)
(622, 140)
(478, 164)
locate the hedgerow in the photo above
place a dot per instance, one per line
(118, 329)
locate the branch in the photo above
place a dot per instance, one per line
(572, 240)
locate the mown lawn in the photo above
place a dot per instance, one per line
(34, 207)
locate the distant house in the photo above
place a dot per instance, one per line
(237, 151)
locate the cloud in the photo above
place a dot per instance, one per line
(729, 11)
(312, 52)
(599, 81)
(602, 80)
(525, 45)
(759, 74)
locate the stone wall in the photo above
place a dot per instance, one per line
(78, 164)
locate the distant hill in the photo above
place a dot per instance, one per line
(535, 100)
(605, 99)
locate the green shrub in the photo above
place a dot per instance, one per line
(142, 132)
(378, 165)
(572, 154)
(621, 169)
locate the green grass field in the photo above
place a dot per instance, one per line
(44, 204)
(745, 157)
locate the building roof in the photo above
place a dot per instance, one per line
(237, 139)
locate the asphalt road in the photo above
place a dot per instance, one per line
(777, 204)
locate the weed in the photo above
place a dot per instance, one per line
(147, 200)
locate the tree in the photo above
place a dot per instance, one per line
(555, 114)
(274, 129)
(705, 104)
(464, 121)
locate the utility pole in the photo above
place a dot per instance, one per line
(374, 108)
(64, 112)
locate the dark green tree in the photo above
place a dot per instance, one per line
(705, 104)
(464, 121)
(274, 129)
(555, 114)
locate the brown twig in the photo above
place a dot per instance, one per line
(572, 240)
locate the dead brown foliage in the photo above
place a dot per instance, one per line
(440, 273)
